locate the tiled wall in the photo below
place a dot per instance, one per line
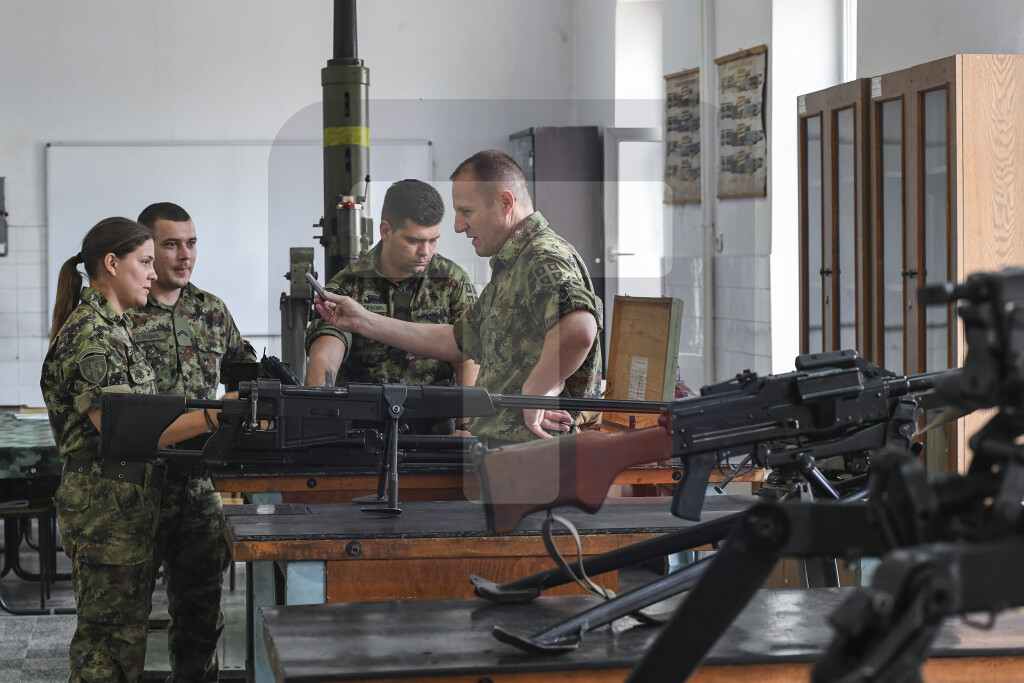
(743, 329)
(742, 297)
(23, 328)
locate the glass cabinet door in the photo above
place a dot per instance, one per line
(846, 227)
(935, 223)
(933, 156)
(889, 234)
(812, 209)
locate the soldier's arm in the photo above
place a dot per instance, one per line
(566, 346)
(238, 348)
(185, 427)
(326, 354)
(466, 372)
(420, 339)
(462, 298)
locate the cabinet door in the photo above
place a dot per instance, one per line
(933, 235)
(892, 299)
(833, 189)
(815, 281)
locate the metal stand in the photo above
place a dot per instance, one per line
(387, 479)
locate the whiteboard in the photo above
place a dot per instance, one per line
(250, 202)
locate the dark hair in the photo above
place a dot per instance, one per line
(163, 211)
(412, 200)
(492, 166)
(117, 236)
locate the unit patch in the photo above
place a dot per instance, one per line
(548, 274)
(93, 364)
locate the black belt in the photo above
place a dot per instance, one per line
(131, 471)
(183, 472)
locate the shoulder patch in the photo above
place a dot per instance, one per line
(92, 363)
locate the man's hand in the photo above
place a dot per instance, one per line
(343, 312)
(539, 420)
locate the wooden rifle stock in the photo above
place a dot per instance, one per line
(569, 470)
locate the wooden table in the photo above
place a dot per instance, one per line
(415, 482)
(335, 552)
(776, 638)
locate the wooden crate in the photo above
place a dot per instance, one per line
(643, 355)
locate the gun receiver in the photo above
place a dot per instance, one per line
(834, 404)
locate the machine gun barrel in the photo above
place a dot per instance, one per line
(567, 403)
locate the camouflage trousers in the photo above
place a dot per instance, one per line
(117, 534)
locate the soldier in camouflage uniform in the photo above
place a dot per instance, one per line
(533, 330)
(107, 511)
(401, 278)
(187, 335)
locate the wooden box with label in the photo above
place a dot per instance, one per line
(643, 355)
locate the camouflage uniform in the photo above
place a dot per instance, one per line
(186, 345)
(107, 526)
(440, 295)
(536, 279)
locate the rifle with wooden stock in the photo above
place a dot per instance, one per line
(835, 405)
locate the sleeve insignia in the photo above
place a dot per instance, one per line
(549, 274)
(93, 365)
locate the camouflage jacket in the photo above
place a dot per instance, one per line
(536, 279)
(187, 344)
(439, 296)
(93, 353)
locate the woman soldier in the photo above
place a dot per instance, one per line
(107, 511)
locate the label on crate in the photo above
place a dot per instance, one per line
(637, 378)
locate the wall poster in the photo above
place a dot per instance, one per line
(743, 151)
(682, 137)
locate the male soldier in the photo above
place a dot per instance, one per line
(187, 334)
(401, 278)
(534, 328)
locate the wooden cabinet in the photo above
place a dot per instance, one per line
(940, 200)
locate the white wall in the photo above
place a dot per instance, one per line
(681, 21)
(799, 28)
(742, 319)
(897, 35)
(234, 70)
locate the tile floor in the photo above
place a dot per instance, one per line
(34, 649)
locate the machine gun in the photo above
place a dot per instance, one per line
(272, 421)
(836, 406)
(949, 546)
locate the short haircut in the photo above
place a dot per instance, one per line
(492, 166)
(163, 211)
(412, 200)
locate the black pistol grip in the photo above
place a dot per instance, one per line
(688, 497)
(218, 446)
